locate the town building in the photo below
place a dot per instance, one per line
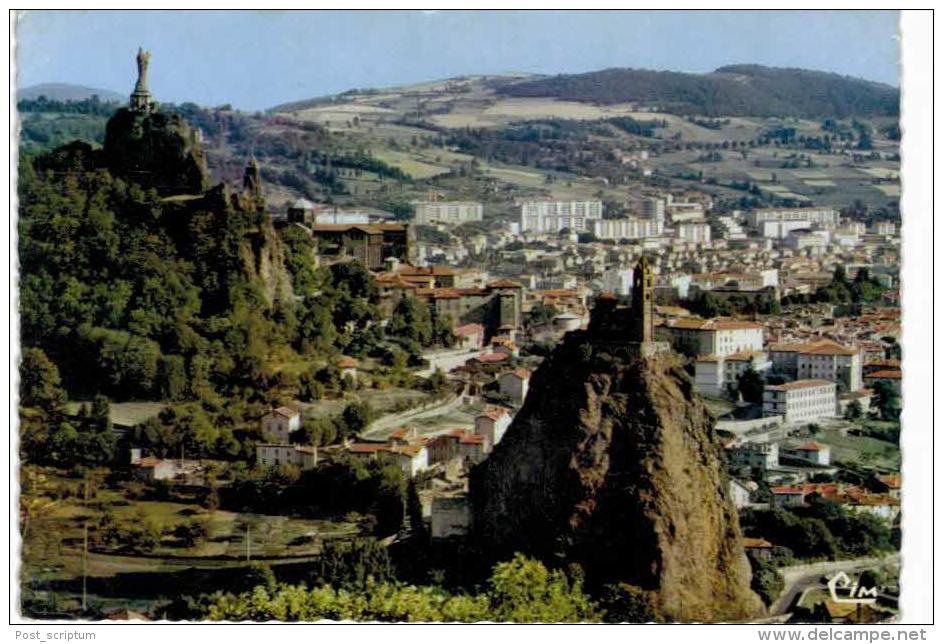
(890, 376)
(279, 423)
(554, 216)
(654, 209)
(761, 456)
(304, 457)
(887, 228)
(851, 497)
(800, 401)
(630, 228)
(717, 337)
(739, 494)
(149, 469)
(461, 444)
(348, 367)
(341, 218)
(369, 244)
(758, 548)
(713, 375)
(447, 212)
(412, 458)
(469, 336)
(514, 385)
(812, 452)
(823, 359)
(694, 232)
(491, 424)
(828, 217)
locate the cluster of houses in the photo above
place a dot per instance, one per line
(414, 453)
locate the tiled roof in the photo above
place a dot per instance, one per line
(890, 480)
(287, 412)
(495, 413)
(885, 374)
(492, 357)
(798, 384)
(504, 283)
(468, 329)
(699, 324)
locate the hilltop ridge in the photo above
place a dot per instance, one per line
(733, 90)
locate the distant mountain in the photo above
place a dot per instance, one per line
(734, 90)
(67, 92)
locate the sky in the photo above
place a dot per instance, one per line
(257, 59)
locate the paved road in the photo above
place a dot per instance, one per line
(799, 578)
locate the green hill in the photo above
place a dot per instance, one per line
(735, 90)
(67, 92)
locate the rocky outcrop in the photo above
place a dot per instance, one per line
(155, 150)
(613, 463)
(264, 260)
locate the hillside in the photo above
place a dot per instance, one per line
(136, 281)
(67, 92)
(735, 90)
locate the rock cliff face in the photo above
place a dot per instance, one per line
(613, 463)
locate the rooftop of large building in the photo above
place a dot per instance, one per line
(799, 384)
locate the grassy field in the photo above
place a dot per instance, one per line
(126, 414)
(409, 164)
(52, 552)
(861, 449)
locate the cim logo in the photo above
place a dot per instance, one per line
(844, 590)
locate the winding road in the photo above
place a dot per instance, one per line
(799, 578)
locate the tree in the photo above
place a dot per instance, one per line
(887, 400)
(539, 315)
(173, 377)
(40, 384)
(523, 590)
(411, 320)
(442, 326)
(624, 603)
(356, 417)
(520, 590)
(853, 411)
(750, 385)
(767, 581)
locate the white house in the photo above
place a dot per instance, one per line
(348, 367)
(718, 337)
(739, 494)
(411, 458)
(813, 452)
(514, 385)
(755, 455)
(823, 359)
(712, 374)
(470, 336)
(279, 423)
(492, 423)
(800, 401)
(273, 455)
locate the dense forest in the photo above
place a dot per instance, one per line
(735, 90)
